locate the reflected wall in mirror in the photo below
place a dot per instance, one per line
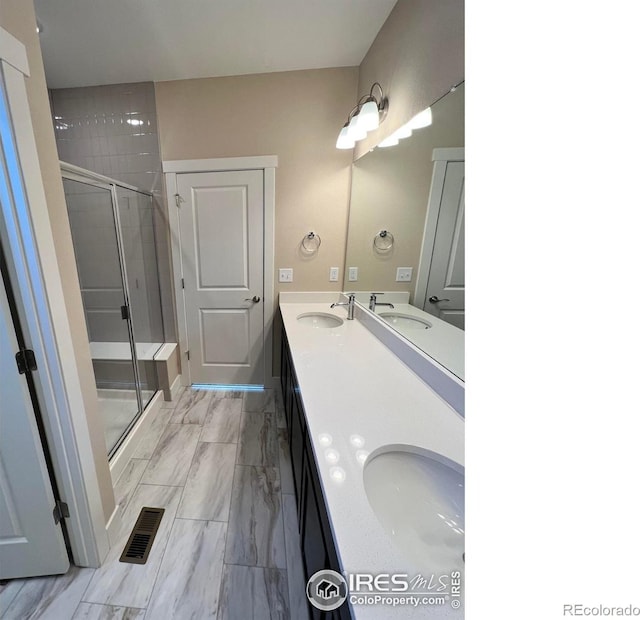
(390, 192)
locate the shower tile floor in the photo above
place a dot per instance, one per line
(228, 545)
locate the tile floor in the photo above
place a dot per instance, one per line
(227, 547)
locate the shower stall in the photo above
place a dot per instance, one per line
(114, 241)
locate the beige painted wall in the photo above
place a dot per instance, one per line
(295, 115)
(18, 18)
(417, 56)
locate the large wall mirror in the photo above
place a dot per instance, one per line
(419, 202)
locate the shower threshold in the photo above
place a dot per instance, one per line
(117, 409)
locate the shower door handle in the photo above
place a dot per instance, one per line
(124, 313)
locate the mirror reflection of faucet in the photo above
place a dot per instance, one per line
(350, 304)
(373, 302)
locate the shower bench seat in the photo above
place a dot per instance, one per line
(164, 356)
(122, 350)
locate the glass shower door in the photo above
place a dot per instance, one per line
(106, 305)
(136, 215)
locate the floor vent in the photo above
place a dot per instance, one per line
(137, 549)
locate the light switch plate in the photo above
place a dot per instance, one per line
(353, 274)
(333, 274)
(404, 274)
(285, 275)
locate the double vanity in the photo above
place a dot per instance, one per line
(376, 430)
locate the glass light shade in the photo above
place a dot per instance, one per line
(390, 141)
(404, 132)
(344, 141)
(422, 119)
(369, 117)
(356, 132)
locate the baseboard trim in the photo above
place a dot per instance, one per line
(114, 525)
(176, 387)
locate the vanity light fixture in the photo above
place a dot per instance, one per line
(404, 132)
(390, 141)
(363, 118)
(399, 134)
(421, 119)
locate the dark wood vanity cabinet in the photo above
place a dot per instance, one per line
(316, 540)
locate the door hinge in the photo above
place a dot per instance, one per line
(124, 312)
(26, 361)
(60, 511)
(188, 355)
(179, 199)
(182, 282)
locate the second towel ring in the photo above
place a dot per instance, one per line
(383, 241)
(311, 242)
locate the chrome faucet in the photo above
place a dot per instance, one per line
(350, 304)
(373, 303)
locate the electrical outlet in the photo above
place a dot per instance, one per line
(403, 274)
(285, 275)
(353, 274)
(333, 274)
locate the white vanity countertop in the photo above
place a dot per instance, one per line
(356, 391)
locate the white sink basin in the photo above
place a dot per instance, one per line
(404, 321)
(319, 319)
(419, 500)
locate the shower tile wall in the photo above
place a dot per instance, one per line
(112, 130)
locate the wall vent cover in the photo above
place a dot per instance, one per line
(137, 549)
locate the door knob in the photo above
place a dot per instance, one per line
(255, 299)
(434, 300)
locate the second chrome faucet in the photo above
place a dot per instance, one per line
(373, 302)
(351, 302)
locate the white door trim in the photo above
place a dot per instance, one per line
(220, 164)
(441, 157)
(28, 240)
(266, 163)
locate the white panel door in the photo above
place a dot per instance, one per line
(31, 543)
(445, 288)
(222, 239)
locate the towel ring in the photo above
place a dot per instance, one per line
(311, 242)
(383, 241)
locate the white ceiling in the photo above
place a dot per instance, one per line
(91, 42)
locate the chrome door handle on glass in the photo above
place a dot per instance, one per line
(434, 300)
(255, 299)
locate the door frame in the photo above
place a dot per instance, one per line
(441, 157)
(265, 163)
(29, 248)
